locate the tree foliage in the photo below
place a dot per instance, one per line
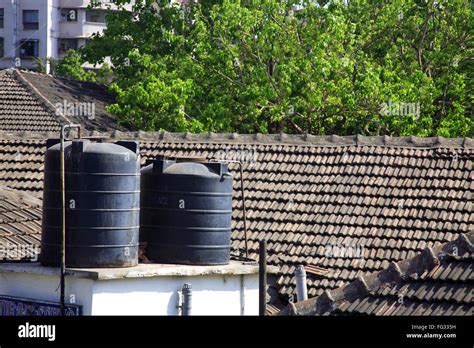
(322, 67)
(71, 66)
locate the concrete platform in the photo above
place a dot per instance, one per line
(142, 270)
(146, 289)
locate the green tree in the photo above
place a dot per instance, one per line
(71, 66)
(104, 75)
(322, 67)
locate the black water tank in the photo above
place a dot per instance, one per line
(102, 204)
(186, 211)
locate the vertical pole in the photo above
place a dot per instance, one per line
(262, 277)
(15, 30)
(301, 289)
(63, 221)
(244, 210)
(187, 299)
(63, 214)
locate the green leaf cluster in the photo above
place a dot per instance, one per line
(400, 67)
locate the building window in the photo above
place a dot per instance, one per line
(1, 17)
(95, 16)
(68, 15)
(29, 48)
(67, 44)
(2, 52)
(30, 20)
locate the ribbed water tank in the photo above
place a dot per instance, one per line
(102, 204)
(186, 211)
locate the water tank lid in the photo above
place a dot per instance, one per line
(191, 159)
(86, 145)
(189, 168)
(178, 159)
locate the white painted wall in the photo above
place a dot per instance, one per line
(14, 32)
(49, 31)
(212, 294)
(46, 288)
(7, 33)
(53, 33)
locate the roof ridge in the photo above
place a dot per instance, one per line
(40, 97)
(426, 261)
(258, 138)
(23, 71)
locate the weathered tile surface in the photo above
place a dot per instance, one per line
(42, 103)
(341, 206)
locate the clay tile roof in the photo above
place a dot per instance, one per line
(437, 281)
(29, 102)
(343, 207)
(20, 225)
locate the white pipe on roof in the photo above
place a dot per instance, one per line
(301, 290)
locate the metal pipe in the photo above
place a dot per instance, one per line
(187, 299)
(301, 289)
(63, 221)
(262, 284)
(242, 295)
(63, 214)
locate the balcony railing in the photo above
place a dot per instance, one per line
(79, 30)
(85, 3)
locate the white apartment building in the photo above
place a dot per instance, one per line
(43, 29)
